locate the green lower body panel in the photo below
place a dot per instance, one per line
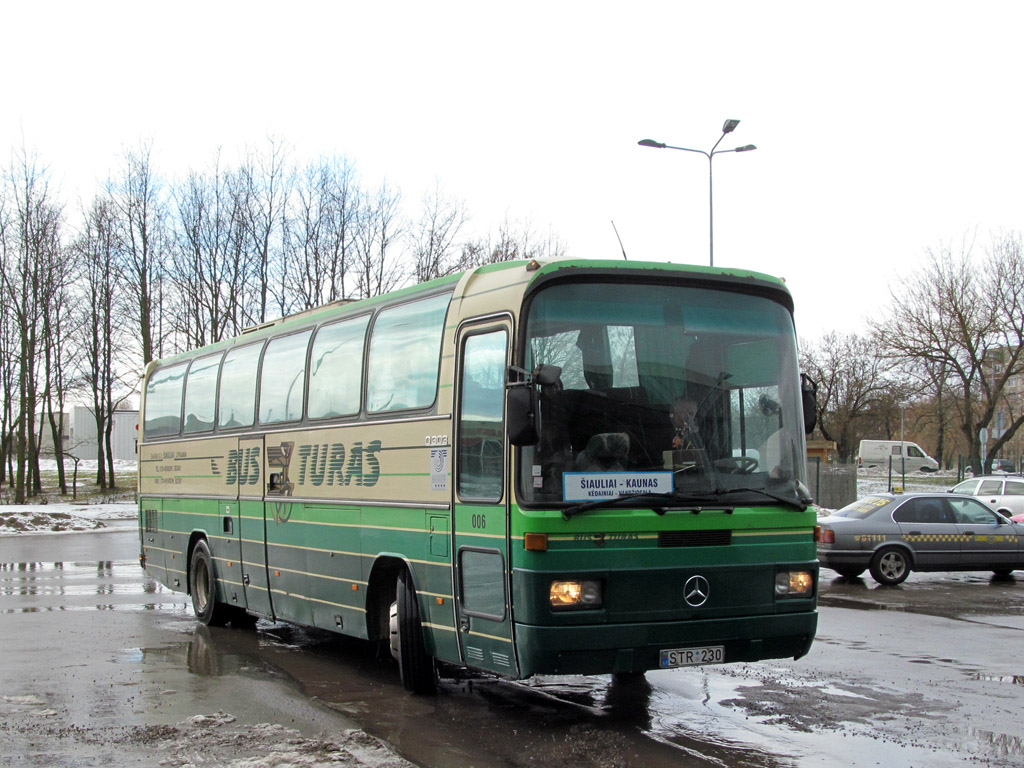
(591, 650)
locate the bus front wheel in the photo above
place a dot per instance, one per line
(415, 664)
(203, 581)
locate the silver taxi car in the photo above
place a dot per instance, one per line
(892, 534)
(1004, 493)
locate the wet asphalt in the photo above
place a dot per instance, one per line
(928, 673)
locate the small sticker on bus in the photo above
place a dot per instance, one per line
(439, 469)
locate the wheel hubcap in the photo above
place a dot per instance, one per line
(892, 566)
(202, 588)
(396, 641)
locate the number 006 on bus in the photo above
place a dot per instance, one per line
(692, 657)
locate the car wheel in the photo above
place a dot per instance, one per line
(890, 566)
(203, 581)
(849, 573)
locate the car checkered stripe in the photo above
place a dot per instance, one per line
(928, 537)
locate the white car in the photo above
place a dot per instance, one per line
(1003, 493)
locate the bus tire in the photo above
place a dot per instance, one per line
(203, 583)
(415, 665)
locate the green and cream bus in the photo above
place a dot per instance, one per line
(574, 467)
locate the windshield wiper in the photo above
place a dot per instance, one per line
(682, 501)
(798, 502)
(668, 501)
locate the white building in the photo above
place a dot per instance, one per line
(82, 441)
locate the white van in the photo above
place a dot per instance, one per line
(876, 453)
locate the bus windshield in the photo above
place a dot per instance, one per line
(675, 390)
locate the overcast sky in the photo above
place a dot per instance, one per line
(882, 128)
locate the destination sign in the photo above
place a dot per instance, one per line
(590, 486)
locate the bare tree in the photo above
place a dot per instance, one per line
(434, 241)
(33, 240)
(137, 201)
(8, 340)
(965, 315)
(320, 233)
(935, 411)
(851, 381)
(211, 268)
(101, 333)
(515, 240)
(381, 227)
(58, 351)
(264, 183)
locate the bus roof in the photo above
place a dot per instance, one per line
(537, 272)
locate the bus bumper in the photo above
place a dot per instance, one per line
(617, 648)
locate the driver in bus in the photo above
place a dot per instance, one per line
(687, 446)
(683, 415)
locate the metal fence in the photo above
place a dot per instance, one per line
(832, 486)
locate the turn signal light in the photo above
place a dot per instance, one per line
(536, 542)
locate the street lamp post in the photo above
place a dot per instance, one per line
(728, 127)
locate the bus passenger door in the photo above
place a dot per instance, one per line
(249, 467)
(480, 504)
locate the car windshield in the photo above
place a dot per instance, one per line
(966, 487)
(864, 508)
(668, 390)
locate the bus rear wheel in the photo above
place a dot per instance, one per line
(203, 581)
(415, 664)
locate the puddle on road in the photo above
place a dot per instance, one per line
(817, 724)
(721, 716)
(56, 586)
(739, 716)
(967, 595)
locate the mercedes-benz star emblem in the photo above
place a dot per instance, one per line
(696, 591)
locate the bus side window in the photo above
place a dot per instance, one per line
(201, 394)
(237, 402)
(336, 369)
(405, 355)
(283, 378)
(163, 402)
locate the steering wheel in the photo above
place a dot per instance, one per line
(737, 465)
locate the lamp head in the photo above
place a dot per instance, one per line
(745, 148)
(730, 126)
(651, 143)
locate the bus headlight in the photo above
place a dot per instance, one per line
(794, 583)
(575, 594)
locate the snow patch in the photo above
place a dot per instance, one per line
(211, 721)
(50, 518)
(268, 745)
(30, 700)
